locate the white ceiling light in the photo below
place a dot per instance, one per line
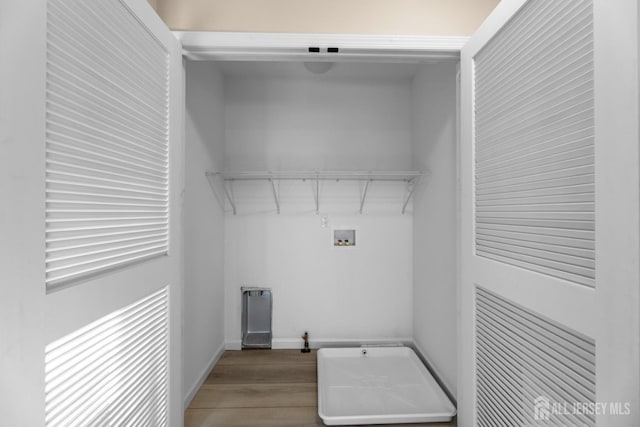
(319, 67)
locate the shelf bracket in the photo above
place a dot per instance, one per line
(228, 189)
(275, 194)
(412, 188)
(364, 195)
(317, 195)
(216, 181)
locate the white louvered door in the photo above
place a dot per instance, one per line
(107, 141)
(112, 243)
(550, 281)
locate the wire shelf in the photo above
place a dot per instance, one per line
(410, 177)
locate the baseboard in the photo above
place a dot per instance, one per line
(203, 376)
(296, 343)
(233, 345)
(434, 372)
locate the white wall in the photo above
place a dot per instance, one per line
(317, 122)
(204, 224)
(337, 294)
(356, 294)
(434, 265)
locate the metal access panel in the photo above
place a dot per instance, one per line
(257, 305)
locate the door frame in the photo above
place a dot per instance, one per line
(246, 46)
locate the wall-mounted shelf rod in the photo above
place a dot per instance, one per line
(227, 178)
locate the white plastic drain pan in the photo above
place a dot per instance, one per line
(378, 385)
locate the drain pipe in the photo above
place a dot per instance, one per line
(306, 348)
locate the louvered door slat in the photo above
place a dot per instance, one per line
(107, 165)
(522, 356)
(550, 164)
(538, 237)
(113, 371)
(534, 133)
(539, 141)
